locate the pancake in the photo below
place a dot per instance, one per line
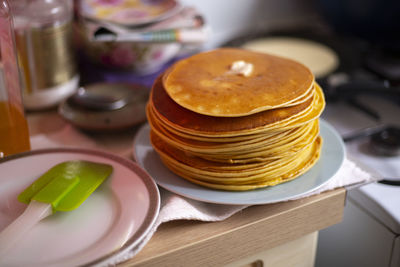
(186, 121)
(201, 166)
(254, 153)
(205, 83)
(271, 144)
(201, 136)
(283, 172)
(274, 141)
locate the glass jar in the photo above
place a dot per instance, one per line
(14, 134)
(46, 54)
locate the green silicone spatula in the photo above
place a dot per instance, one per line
(62, 188)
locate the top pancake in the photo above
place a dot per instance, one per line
(205, 84)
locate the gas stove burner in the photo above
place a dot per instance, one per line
(385, 62)
(366, 132)
(386, 142)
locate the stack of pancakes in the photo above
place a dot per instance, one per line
(229, 129)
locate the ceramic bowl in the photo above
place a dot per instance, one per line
(141, 57)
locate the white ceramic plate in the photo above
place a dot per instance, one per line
(332, 156)
(115, 218)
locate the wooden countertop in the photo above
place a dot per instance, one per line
(256, 228)
(194, 243)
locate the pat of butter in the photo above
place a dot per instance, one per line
(241, 67)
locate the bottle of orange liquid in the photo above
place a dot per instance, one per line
(14, 134)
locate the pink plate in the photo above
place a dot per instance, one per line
(129, 12)
(114, 219)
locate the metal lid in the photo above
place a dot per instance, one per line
(83, 114)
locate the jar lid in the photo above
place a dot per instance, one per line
(86, 116)
(129, 12)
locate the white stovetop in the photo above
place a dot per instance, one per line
(382, 201)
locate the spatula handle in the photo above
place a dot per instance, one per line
(16, 230)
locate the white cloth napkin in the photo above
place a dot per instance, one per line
(175, 207)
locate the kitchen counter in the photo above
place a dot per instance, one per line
(254, 230)
(281, 233)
